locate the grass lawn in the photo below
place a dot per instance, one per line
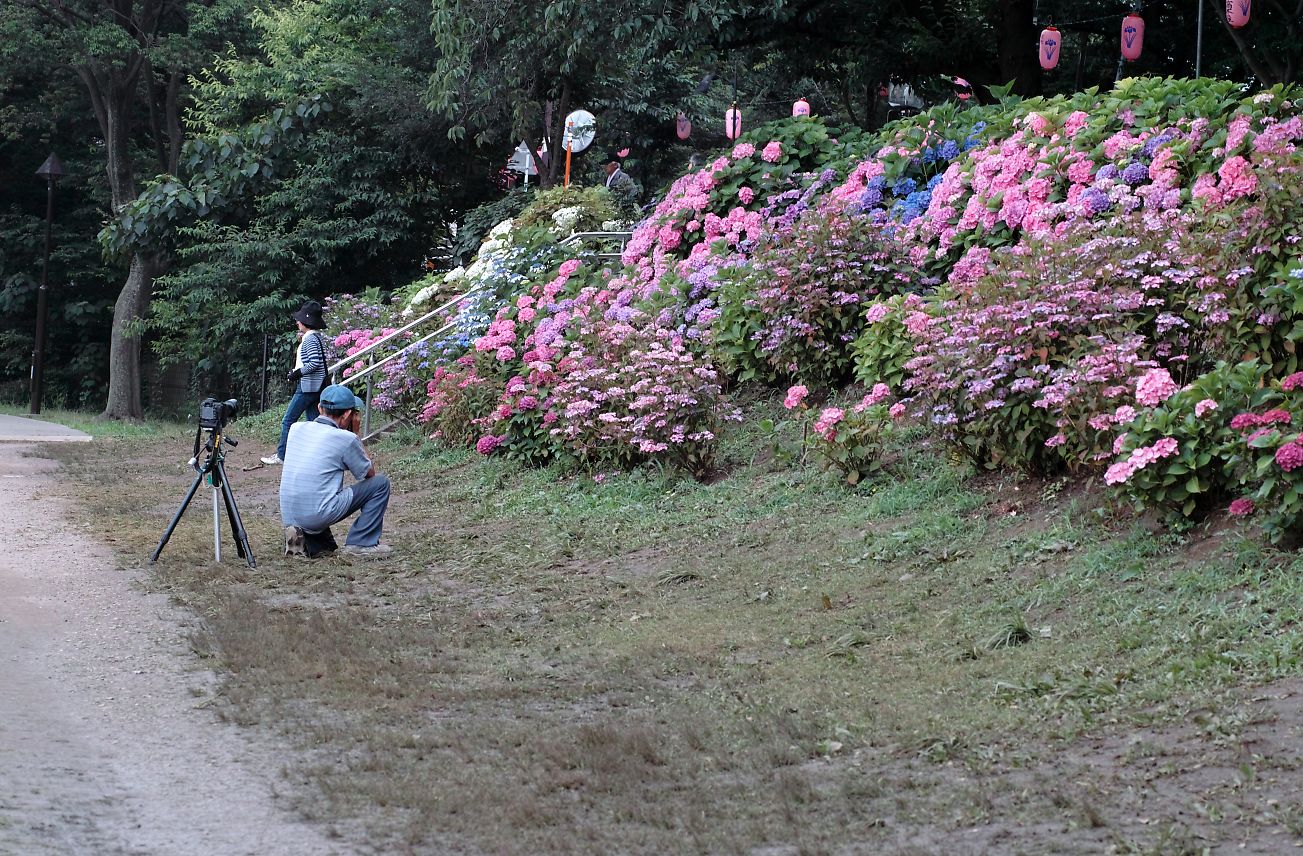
(769, 664)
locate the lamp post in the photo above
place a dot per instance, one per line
(52, 170)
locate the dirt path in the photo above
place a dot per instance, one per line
(106, 746)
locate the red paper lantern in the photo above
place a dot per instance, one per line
(1237, 12)
(682, 127)
(801, 107)
(1133, 36)
(1050, 44)
(733, 122)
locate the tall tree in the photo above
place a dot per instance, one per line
(132, 59)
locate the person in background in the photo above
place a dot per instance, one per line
(308, 376)
(312, 492)
(623, 188)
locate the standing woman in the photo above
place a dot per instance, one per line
(309, 374)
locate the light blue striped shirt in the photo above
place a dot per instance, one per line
(317, 453)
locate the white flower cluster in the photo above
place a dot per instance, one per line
(567, 218)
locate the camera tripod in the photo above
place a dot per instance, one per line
(213, 467)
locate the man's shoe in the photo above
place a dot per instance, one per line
(294, 541)
(272, 459)
(375, 551)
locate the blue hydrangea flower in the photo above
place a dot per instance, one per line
(878, 182)
(919, 200)
(1107, 171)
(935, 181)
(929, 155)
(949, 150)
(870, 198)
(904, 187)
(1153, 144)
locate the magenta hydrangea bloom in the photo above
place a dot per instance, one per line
(1290, 457)
(487, 444)
(1204, 407)
(1242, 507)
(773, 152)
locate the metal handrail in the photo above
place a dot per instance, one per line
(580, 237)
(368, 372)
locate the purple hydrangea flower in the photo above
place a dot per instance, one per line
(1136, 173)
(1094, 200)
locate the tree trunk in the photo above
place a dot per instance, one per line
(124, 348)
(1017, 47)
(118, 98)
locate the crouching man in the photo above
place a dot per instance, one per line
(313, 496)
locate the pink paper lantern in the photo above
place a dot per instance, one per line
(733, 122)
(682, 127)
(963, 89)
(622, 153)
(801, 107)
(1050, 43)
(1237, 12)
(1133, 36)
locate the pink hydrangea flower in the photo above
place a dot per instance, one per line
(1237, 178)
(795, 395)
(745, 195)
(773, 152)
(877, 395)
(1204, 407)
(1154, 387)
(743, 150)
(1056, 440)
(1242, 507)
(486, 444)
(505, 354)
(826, 425)
(1292, 382)
(878, 311)
(1119, 472)
(897, 410)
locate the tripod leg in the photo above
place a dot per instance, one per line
(177, 517)
(237, 525)
(217, 530)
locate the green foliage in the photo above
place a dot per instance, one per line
(477, 222)
(885, 346)
(596, 206)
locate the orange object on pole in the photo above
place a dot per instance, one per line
(568, 164)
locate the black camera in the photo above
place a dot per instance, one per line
(214, 414)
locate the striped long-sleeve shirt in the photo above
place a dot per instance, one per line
(312, 362)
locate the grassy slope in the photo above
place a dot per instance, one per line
(653, 665)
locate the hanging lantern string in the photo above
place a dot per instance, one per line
(1062, 24)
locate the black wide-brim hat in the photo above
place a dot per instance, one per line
(309, 315)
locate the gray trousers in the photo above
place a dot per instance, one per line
(371, 498)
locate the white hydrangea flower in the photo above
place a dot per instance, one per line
(501, 230)
(567, 218)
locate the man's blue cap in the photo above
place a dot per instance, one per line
(339, 397)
